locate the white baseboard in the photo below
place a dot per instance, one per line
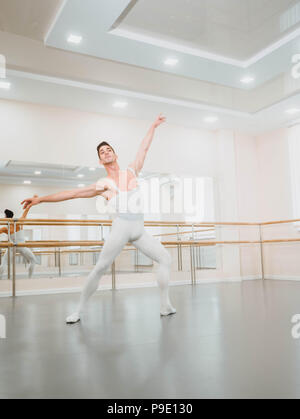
(131, 286)
(283, 278)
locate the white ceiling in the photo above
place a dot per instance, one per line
(272, 25)
(233, 28)
(86, 78)
(95, 98)
(30, 18)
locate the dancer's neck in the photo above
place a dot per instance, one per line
(113, 170)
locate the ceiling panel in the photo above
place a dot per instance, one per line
(29, 18)
(235, 28)
(100, 99)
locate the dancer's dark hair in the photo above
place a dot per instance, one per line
(102, 144)
(8, 213)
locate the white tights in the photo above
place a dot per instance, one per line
(125, 231)
(28, 255)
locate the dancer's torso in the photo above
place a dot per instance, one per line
(18, 237)
(124, 203)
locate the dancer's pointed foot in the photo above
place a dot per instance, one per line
(74, 318)
(166, 310)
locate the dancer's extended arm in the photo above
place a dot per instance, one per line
(25, 213)
(87, 192)
(138, 163)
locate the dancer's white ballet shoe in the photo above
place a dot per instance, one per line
(74, 318)
(167, 310)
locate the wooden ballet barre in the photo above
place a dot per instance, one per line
(281, 241)
(97, 224)
(280, 222)
(5, 245)
(208, 243)
(182, 232)
(45, 244)
(5, 221)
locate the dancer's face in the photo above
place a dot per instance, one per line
(106, 155)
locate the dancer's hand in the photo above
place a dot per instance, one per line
(159, 120)
(30, 202)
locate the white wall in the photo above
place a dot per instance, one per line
(275, 180)
(276, 203)
(57, 135)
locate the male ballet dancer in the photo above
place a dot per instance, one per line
(18, 237)
(127, 226)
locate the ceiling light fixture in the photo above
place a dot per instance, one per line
(37, 172)
(75, 39)
(211, 119)
(120, 104)
(27, 182)
(80, 176)
(247, 79)
(81, 185)
(5, 85)
(92, 169)
(171, 61)
(292, 111)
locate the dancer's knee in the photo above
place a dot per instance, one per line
(101, 267)
(165, 259)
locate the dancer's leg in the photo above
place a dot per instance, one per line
(3, 263)
(152, 248)
(30, 258)
(113, 245)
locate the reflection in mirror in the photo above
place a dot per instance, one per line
(166, 198)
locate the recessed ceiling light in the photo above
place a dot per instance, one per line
(4, 85)
(247, 79)
(120, 104)
(92, 169)
(80, 176)
(211, 119)
(75, 39)
(81, 185)
(37, 172)
(292, 111)
(27, 182)
(171, 61)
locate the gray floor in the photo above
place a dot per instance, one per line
(227, 340)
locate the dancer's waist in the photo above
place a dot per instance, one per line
(18, 237)
(130, 216)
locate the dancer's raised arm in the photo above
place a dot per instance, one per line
(88, 192)
(25, 213)
(138, 163)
